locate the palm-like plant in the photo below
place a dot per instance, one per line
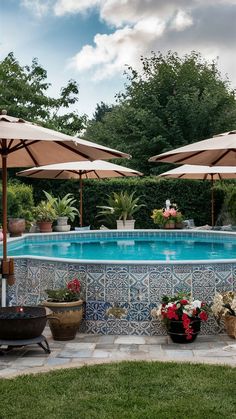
(121, 205)
(63, 206)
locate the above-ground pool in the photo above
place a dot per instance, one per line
(158, 246)
(150, 264)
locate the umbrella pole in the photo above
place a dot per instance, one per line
(4, 220)
(212, 201)
(81, 201)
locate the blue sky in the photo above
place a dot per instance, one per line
(91, 41)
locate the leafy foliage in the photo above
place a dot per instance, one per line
(20, 201)
(173, 101)
(121, 205)
(44, 211)
(63, 206)
(24, 93)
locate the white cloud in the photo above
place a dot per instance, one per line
(37, 7)
(181, 21)
(62, 7)
(112, 52)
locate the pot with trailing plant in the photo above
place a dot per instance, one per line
(65, 306)
(65, 209)
(181, 316)
(224, 310)
(121, 206)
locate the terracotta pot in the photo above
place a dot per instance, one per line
(64, 319)
(177, 332)
(179, 225)
(230, 326)
(45, 226)
(169, 225)
(16, 226)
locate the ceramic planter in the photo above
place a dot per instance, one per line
(177, 332)
(62, 224)
(230, 326)
(64, 319)
(127, 225)
(16, 226)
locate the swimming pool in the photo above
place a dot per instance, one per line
(135, 286)
(174, 246)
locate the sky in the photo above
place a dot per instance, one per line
(93, 41)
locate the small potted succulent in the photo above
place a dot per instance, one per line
(65, 306)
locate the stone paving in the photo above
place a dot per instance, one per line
(93, 349)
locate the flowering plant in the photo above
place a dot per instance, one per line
(165, 215)
(181, 307)
(224, 304)
(71, 292)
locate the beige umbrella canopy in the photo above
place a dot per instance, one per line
(202, 173)
(96, 169)
(217, 151)
(23, 144)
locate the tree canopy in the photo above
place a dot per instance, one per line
(24, 93)
(173, 101)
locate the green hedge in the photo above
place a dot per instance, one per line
(192, 197)
(20, 200)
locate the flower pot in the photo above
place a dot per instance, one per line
(62, 225)
(16, 226)
(64, 319)
(230, 326)
(169, 225)
(177, 332)
(45, 226)
(179, 225)
(127, 225)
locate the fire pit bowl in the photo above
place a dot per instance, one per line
(22, 322)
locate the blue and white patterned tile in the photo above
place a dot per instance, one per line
(209, 327)
(114, 295)
(95, 288)
(117, 327)
(204, 294)
(160, 283)
(117, 275)
(96, 327)
(139, 293)
(140, 328)
(157, 328)
(182, 278)
(139, 312)
(203, 276)
(95, 310)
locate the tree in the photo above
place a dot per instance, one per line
(23, 93)
(173, 101)
(101, 110)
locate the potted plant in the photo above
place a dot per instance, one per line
(224, 309)
(45, 215)
(182, 316)
(64, 210)
(122, 206)
(65, 306)
(158, 217)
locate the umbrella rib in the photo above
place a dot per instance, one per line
(30, 153)
(222, 156)
(21, 145)
(59, 173)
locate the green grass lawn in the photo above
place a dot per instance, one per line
(135, 390)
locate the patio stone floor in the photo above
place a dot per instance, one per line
(88, 349)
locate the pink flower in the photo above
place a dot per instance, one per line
(166, 213)
(172, 212)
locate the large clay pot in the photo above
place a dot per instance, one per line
(16, 226)
(177, 332)
(230, 325)
(45, 226)
(64, 319)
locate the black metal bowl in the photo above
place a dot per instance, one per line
(14, 326)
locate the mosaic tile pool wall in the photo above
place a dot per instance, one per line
(136, 289)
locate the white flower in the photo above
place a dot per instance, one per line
(196, 304)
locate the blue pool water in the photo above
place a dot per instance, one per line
(131, 248)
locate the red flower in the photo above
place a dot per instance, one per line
(74, 285)
(203, 315)
(183, 302)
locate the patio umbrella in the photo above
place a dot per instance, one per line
(25, 144)
(202, 173)
(216, 151)
(96, 169)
